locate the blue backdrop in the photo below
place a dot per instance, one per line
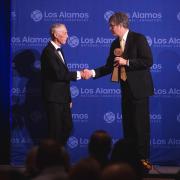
(96, 103)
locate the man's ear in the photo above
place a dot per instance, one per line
(55, 35)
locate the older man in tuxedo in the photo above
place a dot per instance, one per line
(56, 85)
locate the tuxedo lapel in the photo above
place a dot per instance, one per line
(57, 54)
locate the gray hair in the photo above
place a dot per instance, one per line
(53, 29)
(119, 18)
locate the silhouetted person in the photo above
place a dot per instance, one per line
(99, 147)
(118, 172)
(52, 161)
(11, 174)
(124, 151)
(85, 169)
(27, 109)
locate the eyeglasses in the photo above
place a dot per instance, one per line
(112, 25)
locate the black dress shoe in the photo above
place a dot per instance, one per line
(146, 165)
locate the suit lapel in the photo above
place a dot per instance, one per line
(58, 56)
(128, 42)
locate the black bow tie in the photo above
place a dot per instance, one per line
(59, 49)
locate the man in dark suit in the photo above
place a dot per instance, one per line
(131, 58)
(56, 85)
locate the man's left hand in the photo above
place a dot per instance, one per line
(118, 61)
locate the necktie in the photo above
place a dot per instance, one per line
(115, 75)
(123, 70)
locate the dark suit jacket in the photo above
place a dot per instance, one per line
(55, 76)
(138, 52)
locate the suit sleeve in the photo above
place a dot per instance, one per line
(108, 67)
(53, 70)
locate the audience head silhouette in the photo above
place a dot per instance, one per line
(100, 146)
(118, 172)
(85, 169)
(51, 153)
(124, 151)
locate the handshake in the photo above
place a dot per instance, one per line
(86, 74)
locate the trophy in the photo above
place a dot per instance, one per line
(118, 52)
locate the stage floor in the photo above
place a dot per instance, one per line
(165, 169)
(163, 172)
(158, 173)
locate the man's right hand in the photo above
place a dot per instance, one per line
(86, 74)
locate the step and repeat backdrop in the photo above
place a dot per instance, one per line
(96, 103)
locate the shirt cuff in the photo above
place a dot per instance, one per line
(78, 75)
(93, 73)
(127, 63)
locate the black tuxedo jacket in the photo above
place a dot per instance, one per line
(55, 76)
(138, 52)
